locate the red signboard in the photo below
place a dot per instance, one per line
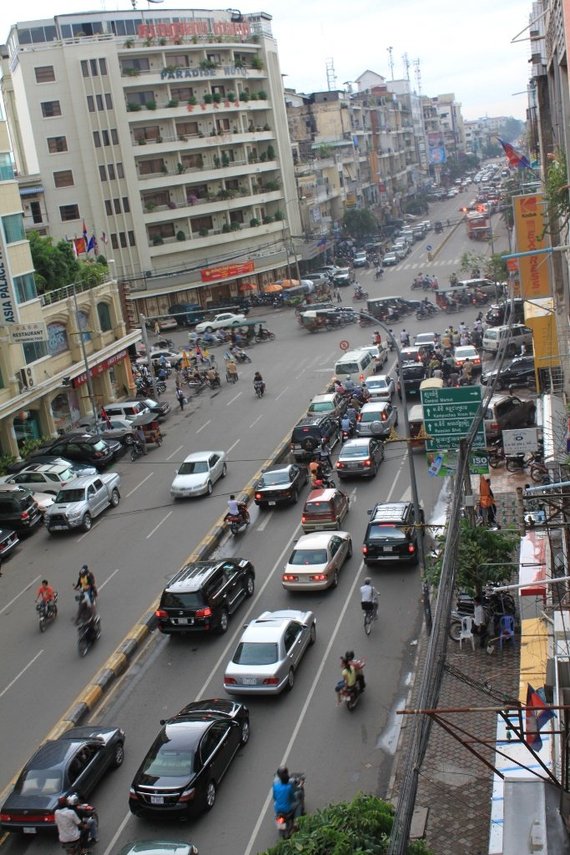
(227, 271)
(100, 368)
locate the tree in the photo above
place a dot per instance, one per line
(55, 265)
(361, 827)
(556, 193)
(491, 266)
(360, 223)
(484, 557)
(92, 273)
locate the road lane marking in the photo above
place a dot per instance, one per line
(303, 713)
(262, 525)
(282, 392)
(403, 463)
(231, 448)
(255, 421)
(235, 397)
(20, 674)
(205, 425)
(176, 450)
(108, 579)
(139, 485)
(155, 529)
(117, 834)
(27, 588)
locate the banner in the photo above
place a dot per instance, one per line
(534, 270)
(226, 271)
(541, 318)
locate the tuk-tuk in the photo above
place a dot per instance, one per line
(438, 227)
(148, 422)
(326, 319)
(417, 428)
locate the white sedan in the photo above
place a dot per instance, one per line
(198, 473)
(225, 319)
(381, 387)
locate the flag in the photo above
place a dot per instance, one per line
(92, 245)
(73, 247)
(536, 716)
(104, 238)
(517, 160)
(84, 232)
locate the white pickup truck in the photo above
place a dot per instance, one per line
(82, 499)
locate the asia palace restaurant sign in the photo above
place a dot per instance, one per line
(198, 27)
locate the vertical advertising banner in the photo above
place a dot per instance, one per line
(534, 270)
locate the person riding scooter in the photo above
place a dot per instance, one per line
(286, 798)
(238, 509)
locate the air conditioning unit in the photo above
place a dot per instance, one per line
(27, 377)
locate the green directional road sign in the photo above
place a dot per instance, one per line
(448, 416)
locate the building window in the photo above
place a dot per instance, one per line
(97, 139)
(36, 211)
(199, 223)
(25, 287)
(84, 68)
(56, 144)
(108, 101)
(120, 171)
(58, 341)
(6, 168)
(91, 103)
(132, 241)
(108, 208)
(221, 90)
(68, 212)
(126, 206)
(104, 317)
(63, 178)
(179, 60)
(114, 136)
(50, 109)
(44, 74)
(99, 101)
(103, 172)
(141, 98)
(94, 69)
(193, 161)
(114, 241)
(148, 167)
(181, 93)
(123, 239)
(148, 133)
(111, 171)
(161, 230)
(187, 129)
(105, 137)
(34, 350)
(13, 226)
(128, 66)
(83, 324)
(117, 204)
(236, 217)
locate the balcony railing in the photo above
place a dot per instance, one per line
(50, 297)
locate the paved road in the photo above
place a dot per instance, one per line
(340, 754)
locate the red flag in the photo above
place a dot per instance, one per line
(517, 160)
(537, 715)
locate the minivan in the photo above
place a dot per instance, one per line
(511, 336)
(491, 289)
(356, 364)
(126, 409)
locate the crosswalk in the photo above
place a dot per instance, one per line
(417, 265)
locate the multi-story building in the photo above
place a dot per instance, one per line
(49, 341)
(166, 138)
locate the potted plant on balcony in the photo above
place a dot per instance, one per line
(225, 228)
(180, 235)
(203, 232)
(253, 222)
(278, 215)
(150, 105)
(231, 96)
(157, 241)
(192, 100)
(270, 152)
(149, 206)
(225, 160)
(257, 63)
(217, 97)
(262, 95)
(244, 96)
(173, 102)
(132, 107)
(208, 98)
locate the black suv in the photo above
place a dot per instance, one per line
(518, 372)
(85, 448)
(18, 509)
(202, 595)
(412, 375)
(309, 432)
(391, 534)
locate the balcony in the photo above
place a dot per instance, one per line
(215, 237)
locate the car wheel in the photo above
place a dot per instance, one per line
(223, 622)
(290, 680)
(115, 498)
(86, 522)
(313, 633)
(244, 738)
(334, 583)
(349, 552)
(249, 586)
(295, 497)
(209, 488)
(210, 797)
(224, 471)
(118, 755)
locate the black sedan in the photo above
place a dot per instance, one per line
(280, 484)
(85, 448)
(518, 372)
(73, 763)
(8, 541)
(186, 762)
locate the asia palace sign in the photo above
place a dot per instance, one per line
(198, 27)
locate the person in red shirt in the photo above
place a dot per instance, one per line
(45, 592)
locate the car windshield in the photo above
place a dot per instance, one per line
(41, 782)
(318, 509)
(190, 600)
(99, 445)
(372, 416)
(384, 531)
(255, 653)
(376, 384)
(354, 451)
(65, 496)
(271, 479)
(168, 762)
(193, 467)
(308, 556)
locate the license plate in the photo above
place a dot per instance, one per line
(387, 549)
(29, 830)
(157, 800)
(185, 621)
(271, 504)
(249, 681)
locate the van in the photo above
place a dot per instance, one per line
(187, 314)
(126, 409)
(357, 364)
(324, 509)
(491, 289)
(512, 337)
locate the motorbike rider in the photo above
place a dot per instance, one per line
(352, 414)
(315, 472)
(467, 371)
(90, 825)
(46, 594)
(349, 384)
(324, 452)
(68, 827)
(377, 338)
(231, 369)
(257, 378)
(348, 675)
(86, 583)
(285, 798)
(237, 509)
(346, 425)
(404, 338)
(86, 610)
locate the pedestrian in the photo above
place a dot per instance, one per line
(180, 397)
(156, 328)
(338, 296)
(479, 621)
(140, 437)
(487, 502)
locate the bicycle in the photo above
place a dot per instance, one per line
(370, 615)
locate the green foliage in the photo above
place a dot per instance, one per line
(55, 264)
(492, 267)
(5, 461)
(480, 551)
(359, 827)
(92, 273)
(359, 223)
(556, 193)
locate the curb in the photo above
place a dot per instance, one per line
(440, 246)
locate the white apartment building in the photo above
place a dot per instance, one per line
(165, 138)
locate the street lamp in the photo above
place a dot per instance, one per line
(90, 390)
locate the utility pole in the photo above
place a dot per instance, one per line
(391, 61)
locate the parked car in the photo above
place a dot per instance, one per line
(202, 595)
(39, 457)
(391, 534)
(83, 447)
(186, 314)
(279, 485)
(74, 762)
(116, 428)
(505, 412)
(160, 409)
(43, 477)
(198, 473)
(81, 500)
(159, 847)
(218, 322)
(8, 541)
(325, 508)
(520, 371)
(19, 510)
(316, 561)
(361, 456)
(185, 764)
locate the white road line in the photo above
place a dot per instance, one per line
(134, 490)
(176, 450)
(155, 529)
(23, 591)
(235, 397)
(108, 579)
(324, 659)
(255, 421)
(23, 671)
(282, 392)
(263, 524)
(403, 463)
(117, 834)
(231, 448)
(205, 425)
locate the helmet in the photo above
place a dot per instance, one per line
(367, 581)
(72, 799)
(347, 377)
(85, 568)
(62, 800)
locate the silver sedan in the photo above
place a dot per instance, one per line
(381, 387)
(316, 561)
(198, 473)
(269, 653)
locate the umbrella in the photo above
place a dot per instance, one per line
(289, 283)
(273, 288)
(246, 286)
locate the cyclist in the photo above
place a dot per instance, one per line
(369, 598)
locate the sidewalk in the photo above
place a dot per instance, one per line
(453, 804)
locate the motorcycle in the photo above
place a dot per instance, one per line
(240, 356)
(87, 634)
(265, 335)
(417, 284)
(259, 387)
(237, 523)
(47, 612)
(495, 604)
(379, 273)
(136, 449)
(89, 818)
(360, 294)
(285, 822)
(351, 696)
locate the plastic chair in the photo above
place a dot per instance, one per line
(467, 631)
(506, 629)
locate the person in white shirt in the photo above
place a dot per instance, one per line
(479, 621)
(68, 824)
(233, 506)
(369, 597)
